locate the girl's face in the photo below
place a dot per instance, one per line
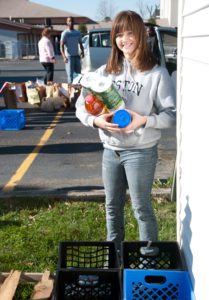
(126, 42)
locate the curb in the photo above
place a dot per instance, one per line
(94, 195)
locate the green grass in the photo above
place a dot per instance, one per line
(32, 228)
(30, 231)
(163, 183)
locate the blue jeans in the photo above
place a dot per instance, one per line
(136, 169)
(73, 67)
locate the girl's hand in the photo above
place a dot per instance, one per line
(137, 122)
(104, 121)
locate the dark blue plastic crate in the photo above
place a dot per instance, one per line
(156, 285)
(12, 119)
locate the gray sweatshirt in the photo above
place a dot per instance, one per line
(148, 93)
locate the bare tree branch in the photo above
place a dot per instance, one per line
(141, 7)
(105, 10)
(150, 10)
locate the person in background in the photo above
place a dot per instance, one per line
(153, 43)
(130, 153)
(69, 47)
(46, 54)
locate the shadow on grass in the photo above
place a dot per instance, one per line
(9, 223)
(9, 204)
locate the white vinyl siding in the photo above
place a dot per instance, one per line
(192, 137)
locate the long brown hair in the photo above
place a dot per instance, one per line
(142, 58)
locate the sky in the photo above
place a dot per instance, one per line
(89, 8)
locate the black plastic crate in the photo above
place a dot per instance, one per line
(88, 284)
(101, 255)
(155, 255)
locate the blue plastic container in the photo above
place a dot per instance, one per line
(156, 284)
(12, 119)
(122, 117)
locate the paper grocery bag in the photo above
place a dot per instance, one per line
(20, 91)
(9, 95)
(41, 91)
(32, 93)
(49, 90)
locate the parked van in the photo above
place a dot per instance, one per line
(97, 47)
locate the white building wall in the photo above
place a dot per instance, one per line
(169, 11)
(174, 13)
(192, 139)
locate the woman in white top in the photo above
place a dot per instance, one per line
(46, 55)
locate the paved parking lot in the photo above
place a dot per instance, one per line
(68, 163)
(29, 69)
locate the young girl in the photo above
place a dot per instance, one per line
(130, 153)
